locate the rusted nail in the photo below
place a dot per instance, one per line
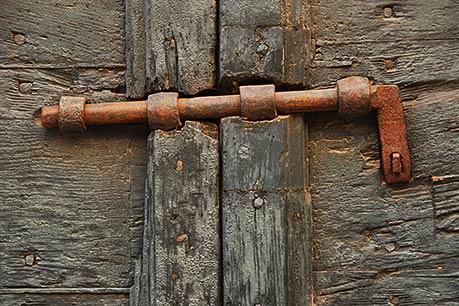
(29, 260)
(388, 12)
(396, 163)
(19, 39)
(179, 167)
(258, 202)
(25, 88)
(182, 238)
(389, 64)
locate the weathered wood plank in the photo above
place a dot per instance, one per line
(75, 202)
(46, 86)
(382, 228)
(266, 214)
(181, 254)
(65, 299)
(62, 34)
(422, 287)
(408, 47)
(264, 40)
(170, 46)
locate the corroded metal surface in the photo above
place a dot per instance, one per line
(163, 111)
(352, 97)
(395, 155)
(71, 113)
(257, 102)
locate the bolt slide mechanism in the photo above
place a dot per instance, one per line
(352, 97)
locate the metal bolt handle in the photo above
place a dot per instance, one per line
(352, 97)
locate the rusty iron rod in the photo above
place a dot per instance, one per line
(198, 108)
(352, 97)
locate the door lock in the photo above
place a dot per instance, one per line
(352, 97)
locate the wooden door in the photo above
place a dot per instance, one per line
(291, 211)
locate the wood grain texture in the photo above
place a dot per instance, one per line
(65, 299)
(387, 244)
(416, 44)
(170, 46)
(62, 34)
(266, 248)
(75, 202)
(264, 40)
(181, 253)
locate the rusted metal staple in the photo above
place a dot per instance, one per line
(352, 97)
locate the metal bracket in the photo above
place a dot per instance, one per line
(352, 97)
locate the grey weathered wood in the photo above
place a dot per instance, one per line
(170, 46)
(75, 201)
(266, 250)
(418, 44)
(410, 287)
(267, 40)
(376, 244)
(181, 254)
(380, 243)
(62, 34)
(64, 299)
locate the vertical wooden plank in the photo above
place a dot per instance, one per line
(170, 45)
(181, 256)
(267, 40)
(266, 213)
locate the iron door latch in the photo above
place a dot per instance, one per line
(352, 97)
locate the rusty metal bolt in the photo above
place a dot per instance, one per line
(163, 111)
(353, 97)
(258, 102)
(19, 39)
(71, 113)
(25, 88)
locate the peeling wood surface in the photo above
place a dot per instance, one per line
(62, 34)
(170, 46)
(264, 40)
(181, 252)
(266, 213)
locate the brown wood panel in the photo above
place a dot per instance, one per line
(62, 33)
(181, 262)
(171, 45)
(266, 212)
